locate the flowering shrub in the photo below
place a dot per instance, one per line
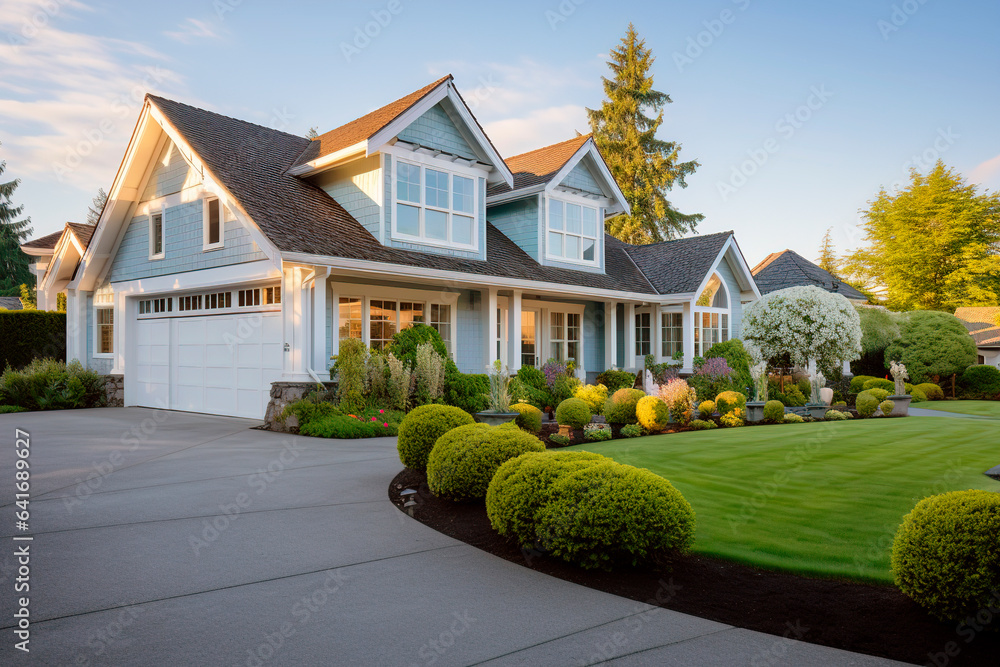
(733, 418)
(712, 378)
(553, 370)
(808, 323)
(706, 409)
(680, 399)
(652, 413)
(596, 432)
(899, 376)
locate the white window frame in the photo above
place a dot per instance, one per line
(648, 341)
(340, 322)
(565, 199)
(221, 243)
(453, 169)
(104, 299)
(666, 315)
(543, 323)
(725, 333)
(163, 235)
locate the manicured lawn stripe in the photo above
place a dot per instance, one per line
(823, 498)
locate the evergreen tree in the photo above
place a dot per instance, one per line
(312, 133)
(933, 246)
(14, 264)
(827, 255)
(644, 166)
(28, 301)
(96, 206)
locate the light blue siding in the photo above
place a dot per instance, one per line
(735, 306)
(518, 220)
(469, 346)
(183, 236)
(102, 366)
(355, 200)
(581, 178)
(593, 337)
(435, 130)
(169, 176)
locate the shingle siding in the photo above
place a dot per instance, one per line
(435, 130)
(469, 346)
(727, 274)
(183, 240)
(580, 178)
(519, 222)
(172, 174)
(593, 337)
(356, 188)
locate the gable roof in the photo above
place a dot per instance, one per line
(678, 266)
(364, 127)
(47, 242)
(540, 165)
(787, 268)
(981, 321)
(11, 302)
(83, 232)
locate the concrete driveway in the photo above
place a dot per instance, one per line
(167, 538)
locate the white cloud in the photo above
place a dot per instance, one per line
(987, 173)
(540, 127)
(191, 30)
(71, 99)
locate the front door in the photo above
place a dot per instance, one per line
(529, 338)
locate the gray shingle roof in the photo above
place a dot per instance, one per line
(251, 161)
(678, 266)
(47, 242)
(787, 268)
(10, 302)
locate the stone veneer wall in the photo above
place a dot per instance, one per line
(283, 393)
(114, 390)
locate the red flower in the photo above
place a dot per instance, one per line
(381, 412)
(386, 425)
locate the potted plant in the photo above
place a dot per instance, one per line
(755, 407)
(499, 411)
(816, 406)
(900, 400)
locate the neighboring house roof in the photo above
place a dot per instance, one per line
(787, 268)
(82, 232)
(540, 165)
(365, 127)
(981, 321)
(47, 242)
(678, 266)
(11, 302)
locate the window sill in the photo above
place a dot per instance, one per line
(579, 262)
(155, 257)
(416, 240)
(103, 355)
(210, 248)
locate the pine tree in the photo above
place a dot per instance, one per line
(14, 264)
(644, 166)
(312, 133)
(827, 255)
(96, 206)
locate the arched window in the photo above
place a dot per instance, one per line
(712, 315)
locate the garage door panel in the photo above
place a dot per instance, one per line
(190, 376)
(221, 400)
(190, 330)
(220, 378)
(190, 355)
(271, 356)
(219, 356)
(248, 378)
(219, 330)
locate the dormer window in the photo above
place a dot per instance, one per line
(573, 234)
(434, 206)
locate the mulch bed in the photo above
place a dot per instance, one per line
(866, 618)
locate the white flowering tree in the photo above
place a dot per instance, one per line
(812, 325)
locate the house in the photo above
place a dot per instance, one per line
(787, 268)
(56, 258)
(983, 324)
(231, 256)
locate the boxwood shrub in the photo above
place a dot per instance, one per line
(774, 412)
(866, 403)
(421, 429)
(652, 413)
(982, 381)
(880, 383)
(728, 401)
(878, 393)
(611, 514)
(529, 417)
(932, 391)
(464, 460)
(573, 412)
(706, 409)
(620, 406)
(945, 554)
(615, 380)
(886, 407)
(520, 489)
(858, 383)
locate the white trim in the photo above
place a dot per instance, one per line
(95, 352)
(221, 243)
(331, 160)
(619, 202)
(566, 199)
(222, 276)
(163, 235)
(731, 249)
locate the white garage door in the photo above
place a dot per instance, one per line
(218, 364)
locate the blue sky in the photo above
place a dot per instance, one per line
(798, 112)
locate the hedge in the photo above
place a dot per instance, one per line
(26, 335)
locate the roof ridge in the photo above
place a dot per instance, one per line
(216, 113)
(584, 137)
(683, 238)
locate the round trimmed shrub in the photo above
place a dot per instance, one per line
(917, 396)
(792, 418)
(620, 406)
(520, 488)
(706, 409)
(774, 412)
(609, 514)
(982, 380)
(932, 391)
(465, 459)
(880, 394)
(886, 407)
(866, 404)
(880, 383)
(529, 417)
(421, 429)
(702, 425)
(652, 413)
(835, 416)
(573, 412)
(945, 554)
(858, 383)
(728, 401)
(594, 395)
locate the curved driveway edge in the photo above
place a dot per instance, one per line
(176, 538)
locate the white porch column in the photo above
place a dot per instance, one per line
(688, 321)
(334, 327)
(655, 334)
(489, 315)
(628, 362)
(294, 311)
(74, 330)
(319, 325)
(610, 334)
(124, 310)
(514, 332)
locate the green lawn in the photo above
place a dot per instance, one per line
(980, 408)
(822, 498)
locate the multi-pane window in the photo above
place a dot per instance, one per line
(441, 321)
(573, 232)
(410, 313)
(192, 302)
(711, 328)
(213, 223)
(573, 336)
(105, 318)
(267, 296)
(248, 297)
(350, 317)
(434, 205)
(218, 300)
(153, 306)
(156, 235)
(381, 322)
(272, 295)
(564, 336)
(642, 334)
(672, 338)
